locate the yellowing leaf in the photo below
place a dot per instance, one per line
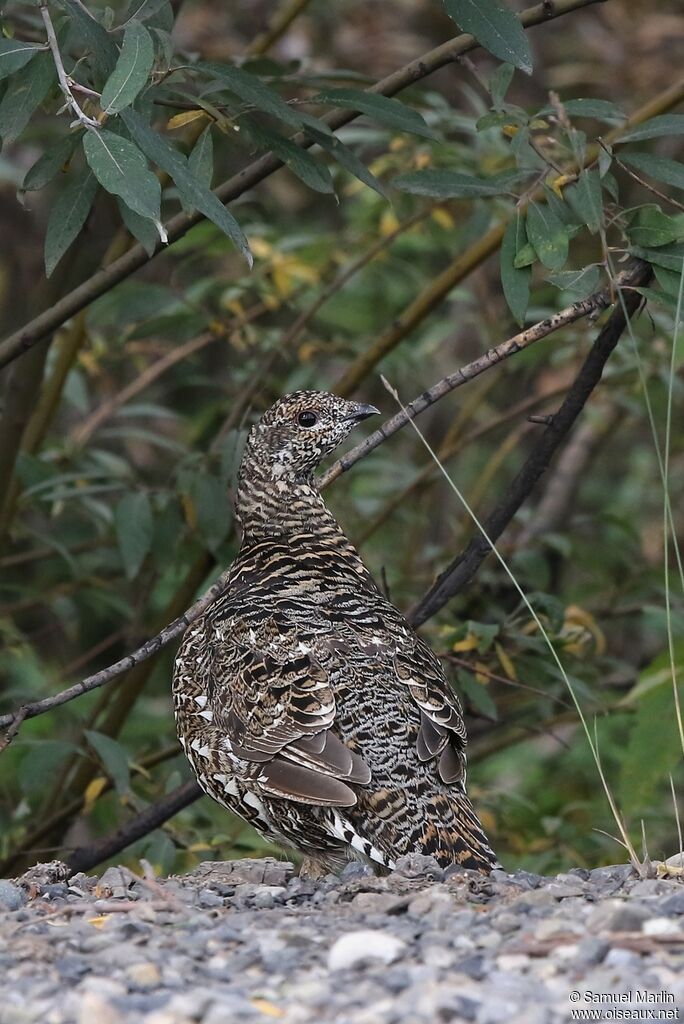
(574, 615)
(488, 820)
(198, 848)
(92, 792)
(557, 184)
(469, 643)
(260, 247)
(539, 122)
(189, 511)
(443, 218)
(397, 143)
(99, 921)
(423, 160)
(186, 117)
(482, 673)
(505, 662)
(283, 280)
(510, 130)
(388, 223)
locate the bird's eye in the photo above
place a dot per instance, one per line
(307, 419)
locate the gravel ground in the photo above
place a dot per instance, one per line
(245, 941)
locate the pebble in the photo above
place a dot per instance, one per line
(250, 941)
(359, 947)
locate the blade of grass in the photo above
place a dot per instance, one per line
(592, 746)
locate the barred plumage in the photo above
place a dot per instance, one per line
(304, 700)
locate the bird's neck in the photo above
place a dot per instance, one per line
(271, 501)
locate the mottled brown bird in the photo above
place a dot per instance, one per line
(304, 700)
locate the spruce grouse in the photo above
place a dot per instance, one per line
(304, 700)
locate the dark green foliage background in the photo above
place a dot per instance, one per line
(117, 469)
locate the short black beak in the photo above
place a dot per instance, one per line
(362, 412)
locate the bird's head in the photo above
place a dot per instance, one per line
(296, 433)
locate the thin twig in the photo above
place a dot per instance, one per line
(88, 122)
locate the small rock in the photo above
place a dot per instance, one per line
(116, 882)
(506, 922)
(93, 1007)
(143, 975)
(379, 902)
(512, 961)
(11, 896)
(418, 865)
(651, 887)
(355, 869)
(661, 926)
(356, 948)
(208, 898)
(673, 905)
(617, 916)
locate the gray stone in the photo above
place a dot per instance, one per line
(11, 896)
(618, 916)
(417, 865)
(647, 887)
(673, 905)
(208, 898)
(358, 947)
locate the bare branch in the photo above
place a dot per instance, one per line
(462, 569)
(105, 279)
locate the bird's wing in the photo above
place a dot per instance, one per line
(442, 733)
(273, 701)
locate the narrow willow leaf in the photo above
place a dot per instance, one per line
(659, 167)
(453, 185)
(515, 281)
(654, 128)
(315, 175)
(132, 69)
(252, 90)
(68, 215)
(122, 170)
(389, 112)
(670, 256)
(499, 83)
(15, 54)
(579, 283)
(50, 163)
(586, 199)
(598, 110)
(547, 236)
(85, 33)
(143, 230)
(25, 91)
(162, 153)
(649, 226)
(214, 514)
(495, 27)
(134, 528)
(144, 9)
(348, 159)
(201, 160)
(114, 758)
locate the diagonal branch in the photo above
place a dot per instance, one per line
(136, 257)
(462, 569)
(635, 273)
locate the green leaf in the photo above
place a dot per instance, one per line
(671, 257)
(389, 112)
(144, 9)
(201, 160)
(525, 257)
(348, 159)
(252, 90)
(547, 236)
(42, 762)
(162, 153)
(114, 758)
(476, 694)
(50, 163)
(654, 128)
(67, 216)
(86, 33)
(132, 69)
(586, 199)
(579, 283)
(134, 528)
(499, 82)
(649, 226)
(25, 91)
(495, 27)
(442, 184)
(598, 110)
(659, 167)
(122, 170)
(14, 54)
(142, 229)
(315, 175)
(214, 513)
(515, 281)
(654, 748)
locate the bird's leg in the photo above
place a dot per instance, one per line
(312, 869)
